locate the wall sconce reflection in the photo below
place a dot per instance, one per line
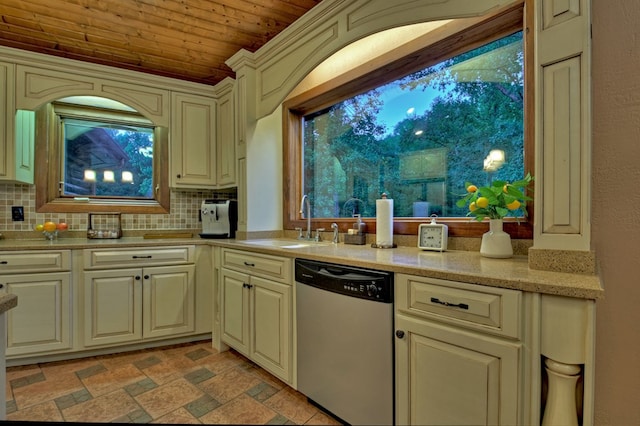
(109, 176)
(127, 177)
(89, 175)
(494, 160)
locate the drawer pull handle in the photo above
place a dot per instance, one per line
(142, 257)
(249, 264)
(3, 262)
(453, 305)
(245, 285)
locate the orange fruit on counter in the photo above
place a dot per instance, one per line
(50, 226)
(62, 226)
(39, 227)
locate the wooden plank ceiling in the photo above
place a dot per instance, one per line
(185, 39)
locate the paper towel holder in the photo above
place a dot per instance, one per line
(385, 246)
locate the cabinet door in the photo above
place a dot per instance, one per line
(234, 310)
(454, 377)
(6, 126)
(168, 300)
(17, 133)
(226, 141)
(193, 143)
(271, 326)
(112, 306)
(41, 322)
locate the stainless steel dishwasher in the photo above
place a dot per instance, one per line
(345, 340)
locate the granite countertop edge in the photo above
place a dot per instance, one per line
(7, 301)
(462, 266)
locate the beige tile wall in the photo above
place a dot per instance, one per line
(185, 206)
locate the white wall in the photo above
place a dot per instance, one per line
(264, 154)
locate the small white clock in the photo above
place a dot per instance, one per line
(433, 236)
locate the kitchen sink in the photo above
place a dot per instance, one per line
(288, 244)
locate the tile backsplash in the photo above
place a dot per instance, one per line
(185, 208)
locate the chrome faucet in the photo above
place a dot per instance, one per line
(308, 216)
(334, 226)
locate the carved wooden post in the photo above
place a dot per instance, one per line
(561, 399)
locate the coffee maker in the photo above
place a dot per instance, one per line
(219, 218)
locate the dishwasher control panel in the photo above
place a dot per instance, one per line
(348, 280)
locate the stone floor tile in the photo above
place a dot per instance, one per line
(72, 399)
(142, 386)
(242, 410)
(292, 404)
(112, 379)
(199, 375)
(229, 384)
(106, 408)
(47, 390)
(202, 406)
(180, 416)
(90, 371)
(44, 412)
(169, 397)
(262, 392)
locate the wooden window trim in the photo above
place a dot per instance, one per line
(48, 157)
(450, 40)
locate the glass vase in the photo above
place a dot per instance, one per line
(496, 243)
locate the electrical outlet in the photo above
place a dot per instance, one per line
(17, 213)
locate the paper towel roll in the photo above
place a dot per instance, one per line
(384, 222)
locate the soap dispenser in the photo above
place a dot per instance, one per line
(357, 233)
(360, 227)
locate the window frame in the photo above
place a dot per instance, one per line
(461, 36)
(48, 157)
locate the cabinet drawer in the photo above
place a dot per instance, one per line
(258, 264)
(491, 309)
(35, 261)
(142, 256)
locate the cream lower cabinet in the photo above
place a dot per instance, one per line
(41, 323)
(458, 357)
(255, 311)
(129, 305)
(125, 305)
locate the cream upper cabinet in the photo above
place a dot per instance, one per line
(453, 365)
(226, 137)
(17, 134)
(193, 142)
